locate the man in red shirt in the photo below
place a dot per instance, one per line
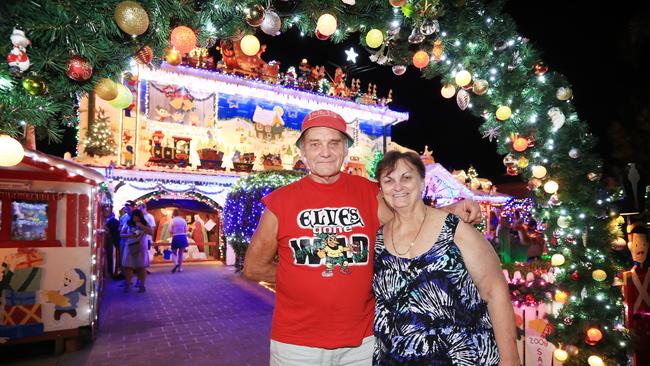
(323, 229)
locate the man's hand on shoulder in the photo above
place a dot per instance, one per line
(469, 211)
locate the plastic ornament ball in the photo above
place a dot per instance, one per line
(557, 260)
(144, 56)
(561, 297)
(599, 275)
(183, 39)
(480, 87)
(123, 99)
(568, 320)
(595, 361)
(398, 69)
(173, 57)
(374, 38)
(250, 45)
(575, 276)
(131, 18)
(563, 93)
(551, 187)
(326, 24)
(420, 59)
(462, 99)
(560, 355)
(563, 222)
(321, 36)
(448, 91)
(255, 15)
(34, 85)
(11, 151)
(539, 171)
(540, 69)
(78, 68)
(463, 78)
(574, 153)
(594, 334)
(271, 24)
(397, 3)
(503, 113)
(106, 89)
(522, 162)
(520, 144)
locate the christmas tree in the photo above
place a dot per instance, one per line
(99, 138)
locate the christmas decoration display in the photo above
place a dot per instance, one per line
(501, 56)
(131, 17)
(78, 68)
(17, 57)
(99, 137)
(11, 151)
(183, 39)
(244, 207)
(106, 89)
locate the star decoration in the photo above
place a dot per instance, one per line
(352, 56)
(233, 103)
(491, 133)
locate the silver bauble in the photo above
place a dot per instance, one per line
(271, 24)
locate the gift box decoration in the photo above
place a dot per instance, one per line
(27, 279)
(21, 331)
(28, 258)
(14, 298)
(21, 314)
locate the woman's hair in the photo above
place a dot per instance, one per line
(140, 215)
(387, 164)
(176, 212)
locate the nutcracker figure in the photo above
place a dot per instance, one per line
(636, 291)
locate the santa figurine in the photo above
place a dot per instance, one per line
(17, 58)
(636, 291)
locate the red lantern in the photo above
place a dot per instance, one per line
(78, 68)
(183, 39)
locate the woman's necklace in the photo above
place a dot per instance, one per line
(392, 235)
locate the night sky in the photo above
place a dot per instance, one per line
(594, 45)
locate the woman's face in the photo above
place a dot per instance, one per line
(403, 186)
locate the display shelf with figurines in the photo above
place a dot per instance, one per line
(29, 220)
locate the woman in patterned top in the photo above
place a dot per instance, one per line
(441, 296)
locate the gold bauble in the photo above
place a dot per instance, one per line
(131, 18)
(448, 91)
(326, 24)
(522, 162)
(374, 38)
(173, 57)
(539, 171)
(599, 275)
(106, 89)
(595, 361)
(561, 297)
(249, 45)
(557, 260)
(480, 87)
(560, 355)
(551, 187)
(420, 59)
(503, 113)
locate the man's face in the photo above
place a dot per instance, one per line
(324, 150)
(639, 247)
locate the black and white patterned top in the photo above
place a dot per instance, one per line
(428, 310)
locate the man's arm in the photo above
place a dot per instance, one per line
(258, 263)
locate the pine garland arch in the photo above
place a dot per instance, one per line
(475, 36)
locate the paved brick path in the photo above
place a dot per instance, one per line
(205, 315)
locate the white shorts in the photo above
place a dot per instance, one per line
(283, 354)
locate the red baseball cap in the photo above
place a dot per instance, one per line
(324, 118)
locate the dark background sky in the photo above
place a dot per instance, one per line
(601, 48)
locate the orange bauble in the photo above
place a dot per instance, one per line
(594, 335)
(520, 144)
(397, 3)
(420, 59)
(183, 39)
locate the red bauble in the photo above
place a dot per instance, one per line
(144, 56)
(78, 68)
(530, 298)
(575, 276)
(321, 36)
(540, 69)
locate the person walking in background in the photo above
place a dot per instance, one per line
(151, 221)
(441, 296)
(178, 231)
(503, 238)
(530, 237)
(112, 246)
(136, 256)
(124, 218)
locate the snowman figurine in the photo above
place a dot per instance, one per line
(17, 58)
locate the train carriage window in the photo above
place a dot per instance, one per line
(29, 220)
